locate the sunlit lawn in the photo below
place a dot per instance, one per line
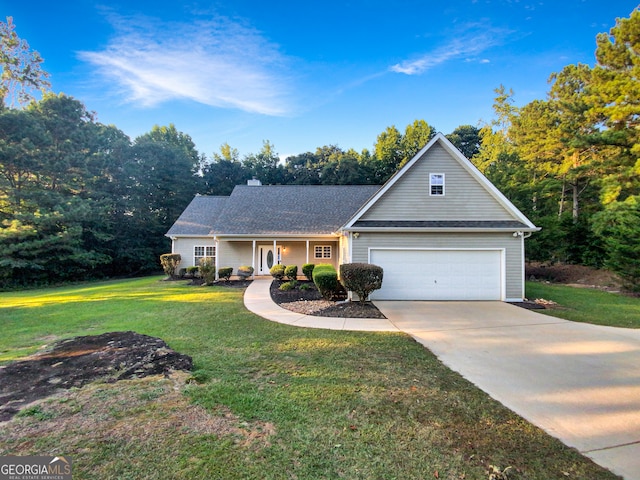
(266, 401)
(588, 305)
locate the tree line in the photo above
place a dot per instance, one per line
(80, 199)
(571, 162)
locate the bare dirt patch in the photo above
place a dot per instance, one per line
(77, 361)
(574, 275)
(309, 302)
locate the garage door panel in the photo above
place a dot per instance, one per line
(438, 274)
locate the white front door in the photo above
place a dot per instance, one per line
(267, 258)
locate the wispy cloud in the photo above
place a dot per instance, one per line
(471, 40)
(217, 62)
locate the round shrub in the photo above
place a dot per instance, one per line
(208, 270)
(307, 270)
(225, 273)
(290, 285)
(361, 278)
(291, 272)
(245, 271)
(326, 279)
(277, 272)
(169, 262)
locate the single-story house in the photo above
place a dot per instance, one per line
(438, 228)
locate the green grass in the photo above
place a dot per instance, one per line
(266, 401)
(588, 305)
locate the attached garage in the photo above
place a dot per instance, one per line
(439, 274)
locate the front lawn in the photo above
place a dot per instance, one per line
(587, 304)
(266, 401)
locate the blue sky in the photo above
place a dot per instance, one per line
(305, 74)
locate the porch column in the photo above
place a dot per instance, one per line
(215, 256)
(275, 251)
(253, 258)
(307, 251)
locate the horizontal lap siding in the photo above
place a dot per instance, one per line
(464, 199)
(512, 246)
(234, 254)
(184, 246)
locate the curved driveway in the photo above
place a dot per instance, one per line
(578, 382)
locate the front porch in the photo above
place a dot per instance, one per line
(263, 253)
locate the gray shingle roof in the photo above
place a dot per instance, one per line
(199, 216)
(291, 209)
(273, 210)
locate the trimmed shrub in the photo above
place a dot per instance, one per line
(182, 272)
(291, 272)
(361, 278)
(307, 271)
(277, 272)
(290, 285)
(245, 271)
(169, 262)
(225, 273)
(208, 270)
(325, 278)
(192, 271)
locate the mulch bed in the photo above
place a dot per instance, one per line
(310, 302)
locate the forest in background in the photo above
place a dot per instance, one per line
(79, 199)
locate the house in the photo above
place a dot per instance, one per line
(438, 228)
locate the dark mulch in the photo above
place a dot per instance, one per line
(77, 361)
(310, 302)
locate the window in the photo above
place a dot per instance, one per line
(201, 251)
(436, 184)
(322, 251)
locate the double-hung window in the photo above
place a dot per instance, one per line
(202, 251)
(436, 184)
(322, 251)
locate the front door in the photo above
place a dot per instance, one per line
(267, 258)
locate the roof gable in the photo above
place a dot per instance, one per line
(469, 196)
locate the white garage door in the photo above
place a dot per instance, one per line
(439, 274)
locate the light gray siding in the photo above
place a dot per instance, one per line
(512, 246)
(465, 198)
(184, 246)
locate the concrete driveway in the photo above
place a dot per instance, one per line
(579, 382)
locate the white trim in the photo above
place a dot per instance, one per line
(204, 253)
(464, 162)
(322, 257)
(503, 258)
(523, 267)
(431, 185)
